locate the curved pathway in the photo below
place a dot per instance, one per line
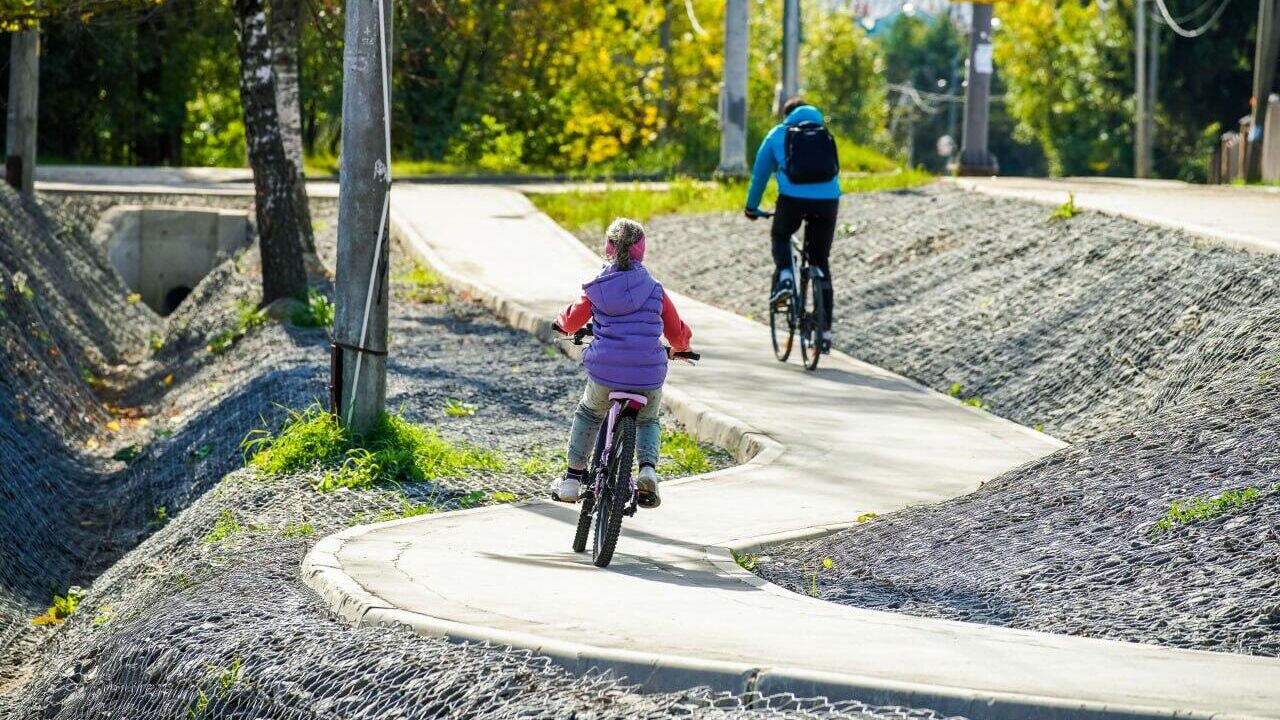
(673, 610)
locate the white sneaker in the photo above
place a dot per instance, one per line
(647, 487)
(567, 490)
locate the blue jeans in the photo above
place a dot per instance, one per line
(591, 412)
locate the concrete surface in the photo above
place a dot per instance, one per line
(673, 609)
(1243, 217)
(164, 252)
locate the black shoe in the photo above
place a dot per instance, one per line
(825, 345)
(782, 292)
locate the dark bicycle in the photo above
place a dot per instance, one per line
(803, 311)
(611, 489)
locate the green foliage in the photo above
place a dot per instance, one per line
(224, 527)
(542, 464)
(63, 607)
(318, 311)
(395, 451)
(825, 563)
(1066, 68)
(159, 518)
(248, 317)
(128, 453)
(471, 499)
(1066, 210)
(453, 407)
(407, 509)
(683, 454)
(202, 451)
(867, 517)
(156, 342)
(843, 74)
(957, 391)
(592, 211)
(1196, 509)
(422, 285)
(747, 562)
(219, 680)
(297, 530)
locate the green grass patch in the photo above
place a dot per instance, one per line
(594, 210)
(396, 451)
(1066, 210)
(748, 561)
(422, 285)
(318, 311)
(453, 407)
(681, 453)
(224, 527)
(957, 391)
(248, 317)
(63, 607)
(297, 530)
(1197, 509)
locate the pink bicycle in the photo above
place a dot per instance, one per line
(611, 490)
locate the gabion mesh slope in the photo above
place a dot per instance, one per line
(1159, 353)
(199, 612)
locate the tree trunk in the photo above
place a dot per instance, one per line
(280, 216)
(286, 35)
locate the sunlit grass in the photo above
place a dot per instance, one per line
(396, 451)
(594, 210)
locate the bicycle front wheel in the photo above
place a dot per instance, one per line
(616, 493)
(783, 330)
(813, 318)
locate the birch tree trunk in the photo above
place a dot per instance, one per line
(281, 218)
(286, 34)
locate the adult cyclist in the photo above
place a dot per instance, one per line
(803, 154)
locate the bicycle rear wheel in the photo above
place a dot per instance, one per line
(616, 492)
(782, 329)
(813, 318)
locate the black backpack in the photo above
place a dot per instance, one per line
(811, 154)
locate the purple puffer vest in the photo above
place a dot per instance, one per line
(626, 309)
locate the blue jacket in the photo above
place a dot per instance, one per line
(772, 157)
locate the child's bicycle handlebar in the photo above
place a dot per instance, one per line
(586, 331)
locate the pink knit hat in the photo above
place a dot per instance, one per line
(637, 249)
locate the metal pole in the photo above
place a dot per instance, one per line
(1140, 89)
(1264, 74)
(975, 157)
(360, 326)
(790, 49)
(23, 112)
(733, 93)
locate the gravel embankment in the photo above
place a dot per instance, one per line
(1156, 353)
(198, 611)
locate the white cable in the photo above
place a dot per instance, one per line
(693, 18)
(385, 63)
(1174, 26)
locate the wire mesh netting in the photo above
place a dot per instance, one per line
(1158, 353)
(193, 606)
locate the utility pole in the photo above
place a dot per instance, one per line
(733, 91)
(360, 324)
(1140, 127)
(975, 157)
(1266, 52)
(790, 49)
(1153, 94)
(23, 112)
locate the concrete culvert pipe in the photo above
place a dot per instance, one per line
(163, 252)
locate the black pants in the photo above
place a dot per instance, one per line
(819, 219)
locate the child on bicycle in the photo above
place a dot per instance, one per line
(631, 314)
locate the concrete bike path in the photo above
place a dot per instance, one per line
(674, 610)
(1242, 217)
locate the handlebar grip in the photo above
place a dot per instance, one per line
(583, 332)
(689, 355)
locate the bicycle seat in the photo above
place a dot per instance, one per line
(639, 400)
